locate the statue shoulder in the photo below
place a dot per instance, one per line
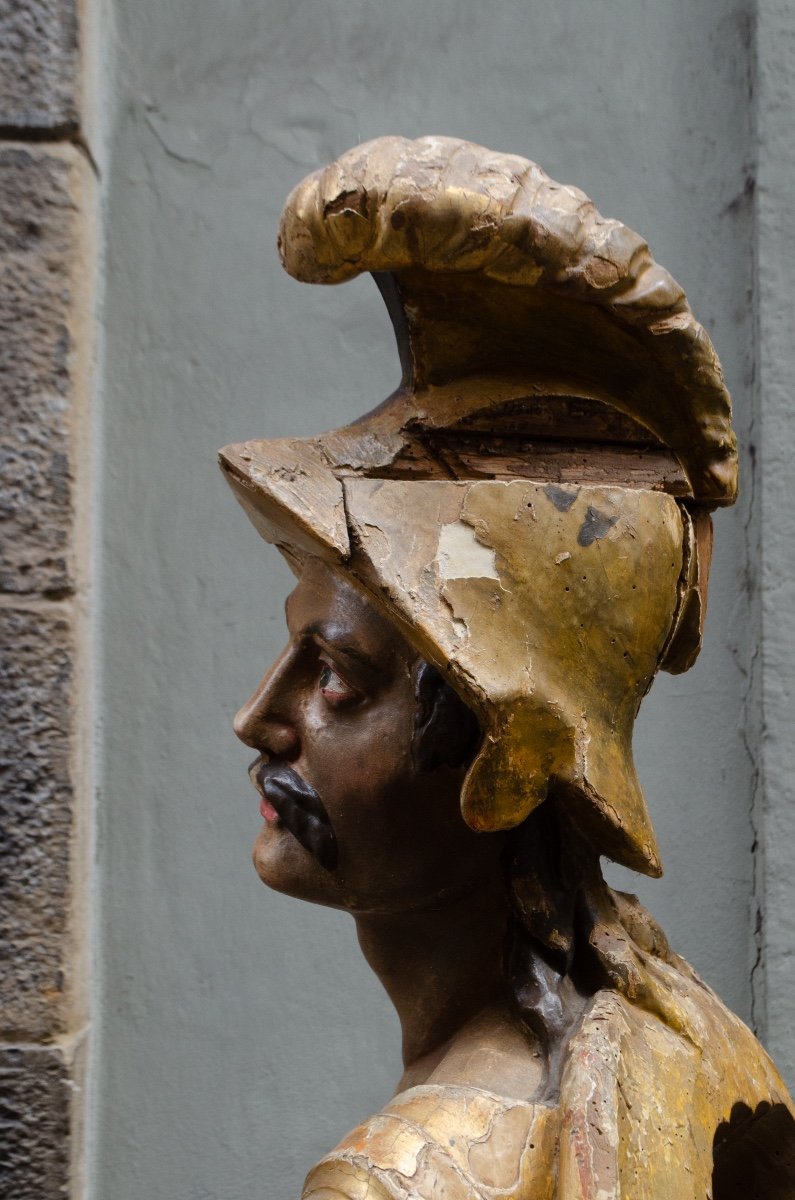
(442, 1139)
(652, 1091)
(649, 1085)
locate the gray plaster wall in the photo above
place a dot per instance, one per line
(775, 672)
(240, 1034)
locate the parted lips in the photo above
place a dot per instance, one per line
(300, 809)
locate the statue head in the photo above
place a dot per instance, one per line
(363, 750)
(529, 512)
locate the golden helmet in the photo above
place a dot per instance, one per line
(531, 506)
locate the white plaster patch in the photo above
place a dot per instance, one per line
(461, 556)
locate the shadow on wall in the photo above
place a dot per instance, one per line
(754, 1154)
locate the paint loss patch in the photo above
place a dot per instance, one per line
(460, 555)
(595, 526)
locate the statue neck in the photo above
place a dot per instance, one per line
(440, 966)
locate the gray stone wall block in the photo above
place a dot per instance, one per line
(40, 248)
(46, 195)
(38, 66)
(36, 818)
(34, 1123)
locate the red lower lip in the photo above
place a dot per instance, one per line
(267, 811)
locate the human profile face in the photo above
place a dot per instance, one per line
(339, 709)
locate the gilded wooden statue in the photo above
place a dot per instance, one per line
(492, 566)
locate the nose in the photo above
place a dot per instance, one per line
(265, 721)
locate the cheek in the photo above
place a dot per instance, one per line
(400, 832)
(354, 748)
(361, 768)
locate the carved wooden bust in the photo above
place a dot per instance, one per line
(492, 566)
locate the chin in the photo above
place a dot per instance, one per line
(284, 865)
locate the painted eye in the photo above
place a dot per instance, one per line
(333, 687)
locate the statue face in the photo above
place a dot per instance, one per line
(353, 816)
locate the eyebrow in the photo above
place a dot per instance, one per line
(336, 640)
